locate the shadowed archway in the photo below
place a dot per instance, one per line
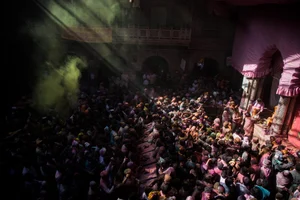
(206, 67)
(271, 81)
(155, 64)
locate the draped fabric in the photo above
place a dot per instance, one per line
(260, 33)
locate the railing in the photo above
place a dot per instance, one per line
(152, 36)
(131, 35)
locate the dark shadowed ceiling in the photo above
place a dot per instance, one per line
(256, 2)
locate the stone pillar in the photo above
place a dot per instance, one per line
(279, 119)
(246, 85)
(260, 88)
(250, 89)
(254, 89)
(289, 116)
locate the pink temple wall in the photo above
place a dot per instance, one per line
(260, 32)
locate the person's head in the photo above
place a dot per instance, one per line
(127, 172)
(255, 140)
(224, 174)
(229, 181)
(259, 182)
(208, 190)
(104, 174)
(286, 172)
(254, 161)
(280, 147)
(220, 165)
(244, 171)
(259, 100)
(221, 189)
(278, 141)
(93, 185)
(246, 181)
(165, 188)
(279, 196)
(226, 124)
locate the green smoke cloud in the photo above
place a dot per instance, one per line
(59, 89)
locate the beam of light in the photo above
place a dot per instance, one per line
(65, 17)
(62, 81)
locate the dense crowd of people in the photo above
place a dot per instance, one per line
(93, 153)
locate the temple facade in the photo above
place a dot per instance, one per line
(266, 51)
(261, 37)
(179, 32)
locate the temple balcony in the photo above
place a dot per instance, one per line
(130, 35)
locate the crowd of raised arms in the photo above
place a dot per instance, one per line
(95, 152)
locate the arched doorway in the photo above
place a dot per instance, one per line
(271, 81)
(156, 65)
(206, 67)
